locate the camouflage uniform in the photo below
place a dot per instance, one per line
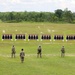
(22, 54)
(63, 52)
(13, 52)
(39, 51)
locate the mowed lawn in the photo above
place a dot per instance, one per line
(51, 62)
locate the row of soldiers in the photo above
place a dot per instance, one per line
(39, 53)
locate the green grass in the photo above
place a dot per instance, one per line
(50, 64)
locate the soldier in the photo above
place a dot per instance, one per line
(13, 52)
(22, 54)
(62, 51)
(39, 51)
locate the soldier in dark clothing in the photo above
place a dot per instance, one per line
(13, 52)
(39, 51)
(22, 54)
(62, 51)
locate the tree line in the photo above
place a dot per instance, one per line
(56, 16)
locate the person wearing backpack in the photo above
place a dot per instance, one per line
(22, 55)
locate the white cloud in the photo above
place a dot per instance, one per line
(36, 5)
(15, 1)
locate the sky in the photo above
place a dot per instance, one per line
(36, 5)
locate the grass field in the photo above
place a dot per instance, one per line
(51, 63)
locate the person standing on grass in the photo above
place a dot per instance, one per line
(13, 51)
(39, 52)
(22, 55)
(62, 51)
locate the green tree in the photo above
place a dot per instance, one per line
(59, 13)
(68, 16)
(18, 17)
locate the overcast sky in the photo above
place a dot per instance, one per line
(36, 5)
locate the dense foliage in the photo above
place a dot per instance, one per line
(57, 16)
